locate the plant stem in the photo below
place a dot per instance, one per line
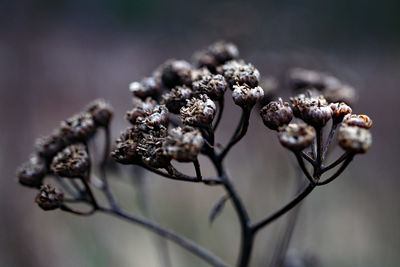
(220, 112)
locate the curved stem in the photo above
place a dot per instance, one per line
(336, 162)
(308, 158)
(338, 172)
(304, 169)
(198, 170)
(90, 192)
(220, 112)
(64, 207)
(329, 140)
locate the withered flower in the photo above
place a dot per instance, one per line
(49, 197)
(212, 85)
(71, 162)
(153, 120)
(78, 128)
(126, 145)
(31, 173)
(50, 145)
(198, 74)
(176, 98)
(183, 144)
(246, 96)
(199, 111)
(354, 139)
(239, 73)
(296, 137)
(101, 112)
(150, 148)
(316, 112)
(148, 87)
(176, 72)
(140, 109)
(216, 54)
(339, 111)
(276, 114)
(362, 121)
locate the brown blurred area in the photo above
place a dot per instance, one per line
(55, 56)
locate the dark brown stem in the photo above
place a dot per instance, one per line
(338, 172)
(304, 169)
(336, 162)
(329, 140)
(198, 170)
(89, 192)
(220, 112)
(64, 207)
(308, 158)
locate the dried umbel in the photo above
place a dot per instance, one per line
(176, 72)
(183, 144)
(72, 162)
(240, 73)
(362, 121)
(339, 111)
(175, 99)
(216, 54)
(148, 87)
(125, 151)
(246, 97)
(78, 128)
(49, 197)
(212, 85)
(101, 112)
(50, 145)
(31, 173)
(151, 150)
(296, 137)
(354, 139)
(199, 111)
(276, 114)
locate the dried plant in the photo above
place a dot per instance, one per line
(175, 115)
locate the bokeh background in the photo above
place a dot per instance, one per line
(57, 55)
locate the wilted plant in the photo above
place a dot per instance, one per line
(175, 115)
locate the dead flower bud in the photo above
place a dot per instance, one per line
(176, 98)
(216, 54)
(176, 72)
(296, 137)
(276, 114)
(362, 121)
(49, 197)
(238, 72)
(153, 120)
(198, 112)
(150, 148)
(124, 151)
(101, 112)
(49, 146)
(183, 144)
(31, 173)
(198, 74)
(339, 111)
(72, 162)
(316, 112)
(148, 87)
(78, 128)
(354, 139)
(212, 85)
(140, 109)
(246, 96)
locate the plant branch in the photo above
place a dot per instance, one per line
(220, 112)
(336, 162)
(338, 172)
(329, 140)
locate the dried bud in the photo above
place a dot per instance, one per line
(217, 54)
(276, 114)
(296, 137)
(154, 120)
(72, 162)
(176, 98)
(354, 139)
(31, 173)
(78, 128)
(212, 85)
(316, 112)
(246, 96)
(126, 145)
(101, 112)
(362, 121)
(199, 111)
(49, 197)
(183, 144)
(198, 74)
(339, 111)
(140, 109)
(176, 72)
(49, 146)
(148, 87)
(239, 73)
(151, 150)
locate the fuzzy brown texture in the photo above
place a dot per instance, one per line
(212, 85)
(276, 114)
(72, 162)
(198, 111)
(246, 96)
(296, 136)
(49, 197)
(101, 112)
(78, 128)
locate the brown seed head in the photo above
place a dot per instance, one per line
(148, 87)
(176, 72)
(151, 150)
(49, 197)
(296, 137)
(126, 145)
(72, 162)
(31, 173)
(339, 111)
(276, 114)
(354, 139)
(246, 96)
(78, 128)
(48, 146)
(101, 112)
(176, 98)
(199, 111)
(239, 73)
(212, 85)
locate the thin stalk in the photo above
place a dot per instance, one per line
(89, 192)
(303, 168)
(336, 162)
(338, 172)
(198, 170)
(220, 112)
(329, 140)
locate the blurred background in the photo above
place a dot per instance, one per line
(57, 55)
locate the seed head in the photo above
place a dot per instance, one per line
(176, 98)
(239, 73)
(72, 162)
(48, 146)
(150, 148)
(183, 144)
(316, 112)
(154, 120)
(78, 128)
(49, 197)
(339, 111)
(126, 145)
(199, 111)
(176, 72)
(246, 96)
(198, 74)
(276, 114)
(296, 137)
(362, 121)
(140, 109)
(101, 112)
(216, 54)
(212, 85)
(354, 139)
(31, 173)
(148, 87)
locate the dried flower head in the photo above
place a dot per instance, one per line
(78, 128)
(246, 96)
(276, 114)
(150, 148)
(71, 162)
(176, 72)
(148, 87)
(49, 197)
(339, 111)
(362, 121)
(101, 112)
(316, 112)
(198, 112)
(154, 120)
(239, 73)
(212, 85)
(31, 173)
(198, 74)
(296, 137)
(354, 139)
(49, 146)
(183, 144)
(125, 151)
(140, 109)
(176, 98)
(216, 54)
